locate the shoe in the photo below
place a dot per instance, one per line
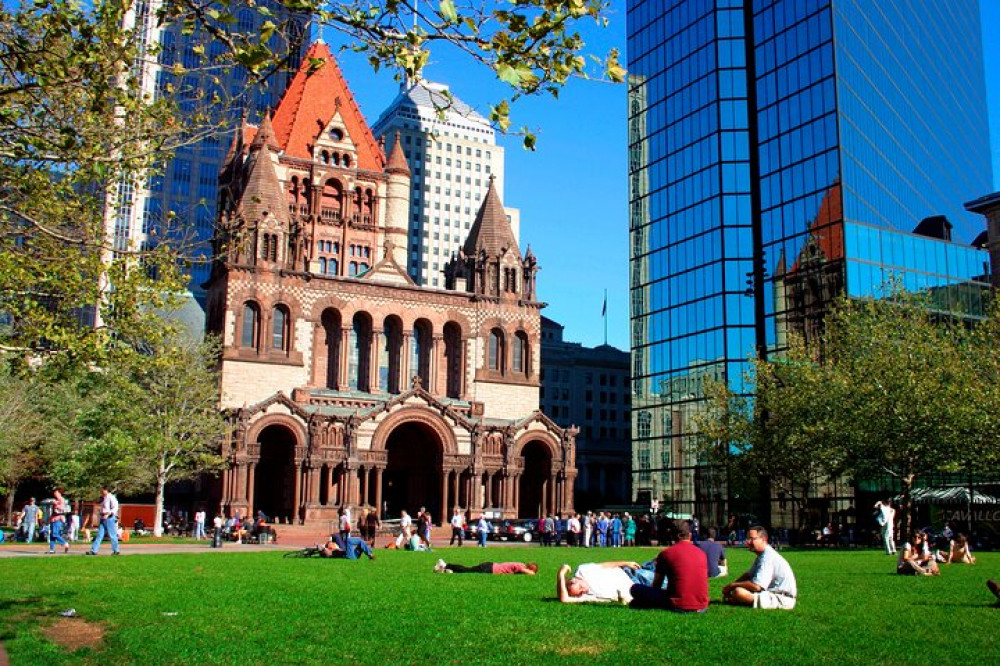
(994, 588)
(50, 552)
(117, 552)
(66, 549)
(90, 552)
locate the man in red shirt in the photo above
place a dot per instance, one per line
(685, 568)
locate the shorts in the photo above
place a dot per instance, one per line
(770, 601)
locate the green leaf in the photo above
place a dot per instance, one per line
(447, 10)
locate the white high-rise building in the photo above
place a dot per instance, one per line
(452, 153)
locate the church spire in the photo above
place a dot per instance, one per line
(491, 231)
(397, 160)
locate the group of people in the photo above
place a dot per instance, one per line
(601, 530)
(62, 524)
(680, 577)
(917, 556)
(413, 536)
(676, 580)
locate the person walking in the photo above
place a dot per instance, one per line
(199, 524)
(482, 530)
(457, 528)
(57, 522)
(886, 518)
(373, 523)
(30, 519)
(109, 523)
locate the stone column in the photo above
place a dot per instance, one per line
(343, 381)
(404, 363)
(251, 468)
(444, 497)
(375, 356)
(298, 493)
(378, 491)
(434, 381)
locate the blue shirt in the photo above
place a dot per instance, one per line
(772, 572)
(714, 552)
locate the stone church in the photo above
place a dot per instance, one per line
(349, 384)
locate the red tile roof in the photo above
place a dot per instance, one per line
(311, 101)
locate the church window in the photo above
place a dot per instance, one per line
(322, 265)
(347, 161)
(279, 328)
(333, 267)
(250, 326)
(362, 268)
(496, 350)
(519, 357)
(352, 269)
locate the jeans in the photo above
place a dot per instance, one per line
(482, 538)
(55, 535)
(199, 530)
(107, 526)
(354, 547)
(457, 533)
(29, 529)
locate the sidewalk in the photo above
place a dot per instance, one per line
(40, 550)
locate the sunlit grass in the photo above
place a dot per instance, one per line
(251, 608)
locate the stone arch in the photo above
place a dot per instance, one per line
(547, 438)
(292, 423)
(417, 414)
(277, 449)
(537, 459)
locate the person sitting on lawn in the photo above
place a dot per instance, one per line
(716, 554)
(351, 548)
(684, 567)
(599, 582)
(494, 568)
(958, 552)
(915, 558)
(769, 583)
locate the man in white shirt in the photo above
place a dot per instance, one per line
(886, 519)
(109, 523)
(405, 525)
(596, 582)
(457, 528)
(769, 583)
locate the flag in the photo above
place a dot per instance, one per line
(604, 310)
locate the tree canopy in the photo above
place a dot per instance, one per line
(901, 391)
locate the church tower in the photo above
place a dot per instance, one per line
(348, 383)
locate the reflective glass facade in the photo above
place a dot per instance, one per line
(782, 152)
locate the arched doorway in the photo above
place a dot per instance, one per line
(412, 477)
(533, 490)
(274, 477)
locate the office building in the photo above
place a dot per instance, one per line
(452, 153)
(588, 388)
(179, 202)
(783, 152)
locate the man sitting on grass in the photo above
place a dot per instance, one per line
(352, 549)
(684, 567)
(494, 568)
(769, 583)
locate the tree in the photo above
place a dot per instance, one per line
(901, 391)
(533, 46)
(21, 433)
(778, 434)
(168, 414)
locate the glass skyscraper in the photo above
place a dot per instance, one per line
(783, 152)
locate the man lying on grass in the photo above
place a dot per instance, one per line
(769, 583)
(350, 549)
(597, 582)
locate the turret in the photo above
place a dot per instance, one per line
(397, 210)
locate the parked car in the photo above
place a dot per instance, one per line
(514, 530)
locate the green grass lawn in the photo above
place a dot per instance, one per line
(254, 608)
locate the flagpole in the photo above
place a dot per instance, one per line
(605, 313)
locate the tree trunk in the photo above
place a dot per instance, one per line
(10, 505)
(906, 480)
(161, 483)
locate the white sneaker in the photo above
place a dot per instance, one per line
(439, 567)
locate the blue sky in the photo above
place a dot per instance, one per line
(573, 190)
